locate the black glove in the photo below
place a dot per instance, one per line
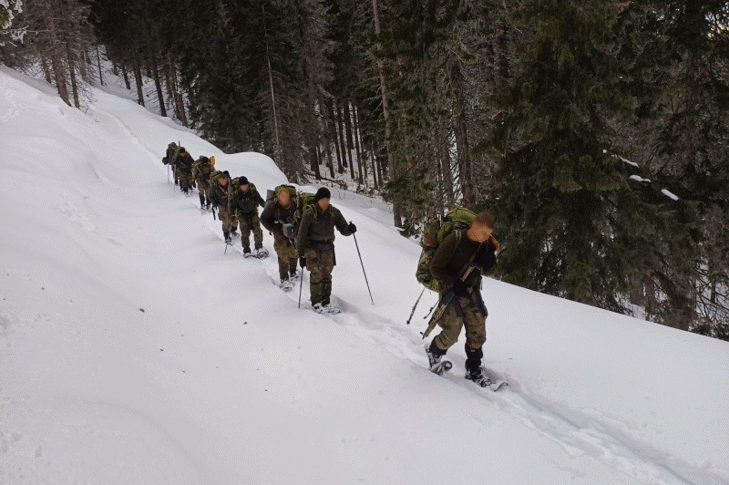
(302, 262)
(486, 257)
(352, 228)
(460, 289)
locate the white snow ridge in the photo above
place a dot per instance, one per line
(133, 351)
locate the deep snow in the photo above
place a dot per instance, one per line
(132, 350)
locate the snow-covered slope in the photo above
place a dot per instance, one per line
(132, 350)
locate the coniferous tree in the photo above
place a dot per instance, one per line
(574, 225)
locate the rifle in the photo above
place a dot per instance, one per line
(445, 302)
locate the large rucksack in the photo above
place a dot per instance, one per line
(434, 232)
(304, 201)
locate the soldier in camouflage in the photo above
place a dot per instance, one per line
(460, 250)
(244, 205)
(183, 166)
(278, 217)
(315, 244)
(219, 196)
(201, 171)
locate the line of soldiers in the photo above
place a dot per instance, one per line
(302, 232)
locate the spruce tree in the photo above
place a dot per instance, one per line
(573, 225)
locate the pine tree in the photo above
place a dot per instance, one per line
(574, 226)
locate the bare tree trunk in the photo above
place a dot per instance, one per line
(342, 138)
(72, 74)
(461, 131)
(46, 70)
(125, 75)
(138, 79)
(179, 102)
(158, 86)
(277, 149)
(57, 64)
(326, 133)
(358, 149)
(350, 143)
(397, 219)
(98, 60)
(335, 137)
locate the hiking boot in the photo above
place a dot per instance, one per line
(226, 235)
(247, 252)
(292, 273)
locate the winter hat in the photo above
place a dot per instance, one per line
(322, 193)
(242, 181)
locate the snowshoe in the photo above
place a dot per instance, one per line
(287, 284)
(479, 378)
(261, 253)
(485, 381)
(436, 362)
(247, 253)
(326, 309)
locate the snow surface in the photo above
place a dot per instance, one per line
(132, 350)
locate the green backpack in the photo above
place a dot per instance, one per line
(304, 201)
(434, 232)
(214, 176)
(272, 194)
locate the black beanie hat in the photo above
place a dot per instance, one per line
(322, 193)
(242, 181)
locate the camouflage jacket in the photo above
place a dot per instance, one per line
(201, 171)
(275, 218)
(184, 163)
(316, 228)
(218, 194)
(454, 254)
(246, 202)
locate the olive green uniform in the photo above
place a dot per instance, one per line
(201, 171)
(183, 168)
(280, 222)
(219, 196)
(315, 241)
(245, 213)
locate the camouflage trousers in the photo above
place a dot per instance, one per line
(249, 223)
(320, 263)
(225, 219)
(185, 179)
(470, 314)
(202, 187)
(288, 257)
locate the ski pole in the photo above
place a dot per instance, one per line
(363, 268)
(301, 285)
(226, 247)
(415, 306)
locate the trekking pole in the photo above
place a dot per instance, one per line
(301, 285)
(168, 173)
(415, 306)
(226, 247)
(363, 268)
